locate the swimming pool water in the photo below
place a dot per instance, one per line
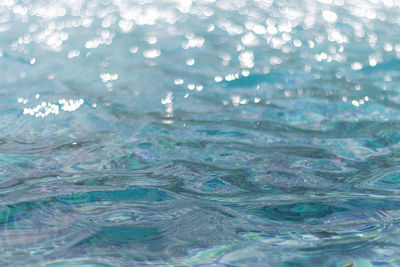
(199, 133)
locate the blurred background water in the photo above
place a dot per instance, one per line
(200, 133)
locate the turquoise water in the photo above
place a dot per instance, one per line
(200, 133)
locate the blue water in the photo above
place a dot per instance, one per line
(200, 133)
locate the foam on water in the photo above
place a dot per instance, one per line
(207, 132)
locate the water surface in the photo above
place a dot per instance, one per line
(199, 133)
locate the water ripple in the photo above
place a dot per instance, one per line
(199, 133)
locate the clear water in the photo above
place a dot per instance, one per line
(200, 133)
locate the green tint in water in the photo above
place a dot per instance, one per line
(299, 212)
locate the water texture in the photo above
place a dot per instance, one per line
(200, 133)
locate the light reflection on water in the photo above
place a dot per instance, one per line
(255, 133)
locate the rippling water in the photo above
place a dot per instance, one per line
(205, 133)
